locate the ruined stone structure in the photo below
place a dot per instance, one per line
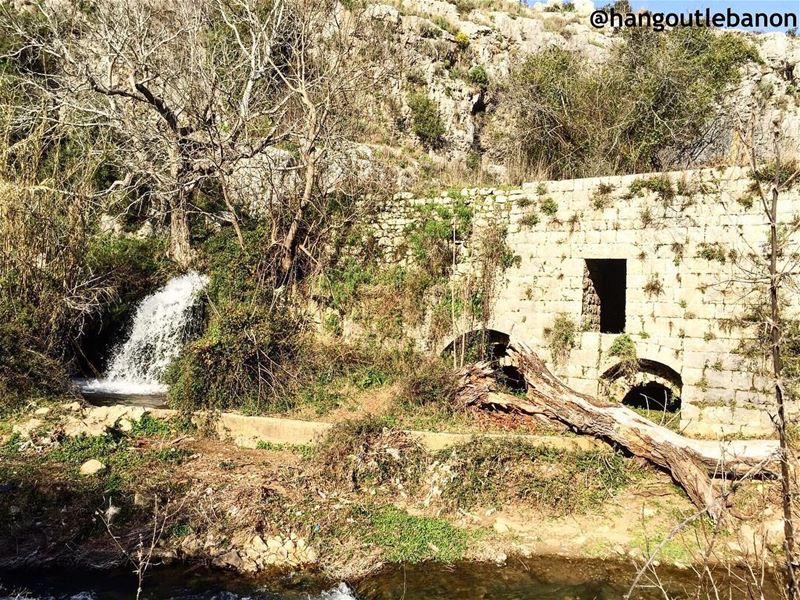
(664, 259)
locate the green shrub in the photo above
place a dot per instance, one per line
(529, 219)
(549, 206)
(661, 186)
(249, 353)
(477, 76)
(442, 23)
(649, 103)
(712, 251)
(25, 368)
(562, 338)
(426, 121)
(624, 348)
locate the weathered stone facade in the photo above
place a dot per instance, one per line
(689, 249)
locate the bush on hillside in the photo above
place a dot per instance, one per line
(426, 121)
(644, 110)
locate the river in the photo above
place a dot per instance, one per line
(541, 579)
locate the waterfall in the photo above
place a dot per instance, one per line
(160, 328)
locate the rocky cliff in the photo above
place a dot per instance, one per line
(459, 54)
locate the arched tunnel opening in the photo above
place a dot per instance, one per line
(652, 396)
(491, 346)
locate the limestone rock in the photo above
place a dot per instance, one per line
(501, 525)
(92, 467)
(27, 428)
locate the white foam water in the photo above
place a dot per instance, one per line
(340, 592)
(157, 334)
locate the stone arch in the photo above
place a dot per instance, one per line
(496, 343)
(654, 385)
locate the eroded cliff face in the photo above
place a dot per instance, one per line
(460, 56)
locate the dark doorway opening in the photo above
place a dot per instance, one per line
(491, 346)
(605, 282)
(652, 396)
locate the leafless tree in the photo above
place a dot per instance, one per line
(192, 91)
(779, 271)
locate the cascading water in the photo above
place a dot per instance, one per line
(160, 327)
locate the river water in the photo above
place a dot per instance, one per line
(545, 579)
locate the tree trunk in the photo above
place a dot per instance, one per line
(776, 332)
(290, 240)
(179, 249)
(691, 462)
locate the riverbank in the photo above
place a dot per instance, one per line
(364, 496)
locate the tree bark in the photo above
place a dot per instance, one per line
(776, 333)
(290, 240)
(692, 463)
(179, 248)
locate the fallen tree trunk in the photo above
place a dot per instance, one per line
(691, 462)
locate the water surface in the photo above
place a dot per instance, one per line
(541, 579)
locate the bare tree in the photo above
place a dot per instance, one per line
(779, 272)
(191, 91)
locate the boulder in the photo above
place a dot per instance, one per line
(92, 467)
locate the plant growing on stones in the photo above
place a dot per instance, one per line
(654, 286)
(561, 338)
(624, 348)
(477, 76)
(529, 219)
(712, 251)
(548, 206)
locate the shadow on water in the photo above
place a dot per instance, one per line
(110, 399)
(539, 578)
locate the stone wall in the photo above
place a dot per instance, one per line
(687, 252)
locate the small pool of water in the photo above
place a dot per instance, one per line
(540, 579)
(103, 398)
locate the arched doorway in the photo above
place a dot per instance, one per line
(653, 390)
(487, 345)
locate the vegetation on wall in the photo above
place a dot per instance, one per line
(562, 338)
(624, 349)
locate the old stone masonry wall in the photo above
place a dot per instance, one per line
(665, 259)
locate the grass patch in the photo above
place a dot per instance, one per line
(491, 472)
(406, 538)
(304, 450)
(670, 420)
(149, 425)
